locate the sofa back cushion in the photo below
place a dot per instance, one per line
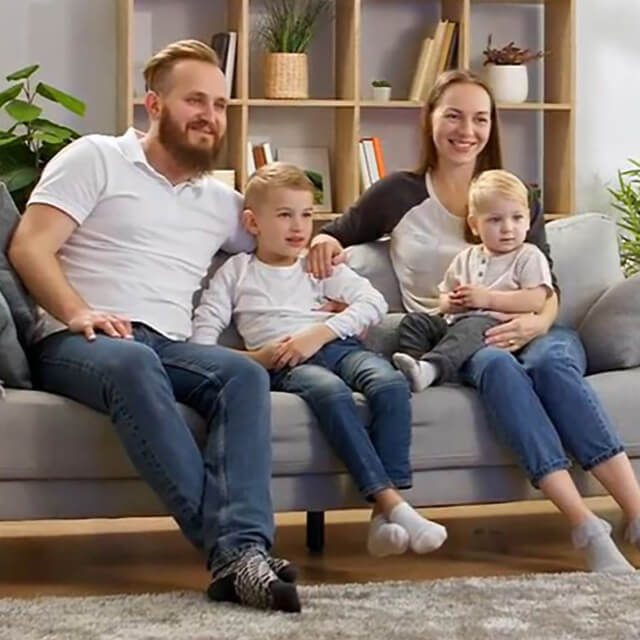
(23, 308)
(584, 249)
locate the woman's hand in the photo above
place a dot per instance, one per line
(516, 330)
(325, 252)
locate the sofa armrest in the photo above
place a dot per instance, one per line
(610, 330)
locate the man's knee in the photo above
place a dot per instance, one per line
(129, 360)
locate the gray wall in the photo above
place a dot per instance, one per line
(74, 41)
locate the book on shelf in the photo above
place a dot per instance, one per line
(260, 153)
(225, 44)
(371, 161)
(437, 54)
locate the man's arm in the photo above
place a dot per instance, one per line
(33, 250)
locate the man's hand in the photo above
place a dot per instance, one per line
(471, 297)
(111, 324)
(325, 252)
(301, 346)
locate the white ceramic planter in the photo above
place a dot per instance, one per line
(508, 82)
(382, 94)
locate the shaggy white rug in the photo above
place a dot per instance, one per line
(570, 606)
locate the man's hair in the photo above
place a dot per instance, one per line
(273, 176)
(160, 65)
(496, 182)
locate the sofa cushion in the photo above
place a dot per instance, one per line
(14, 368)
(372, 261)
(23, 308)
(56, 438)
(586, 261)
(611, 329)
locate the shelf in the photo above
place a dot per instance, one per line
(234, 102)
(264, 102)
(512, 1)
(534, 106)
(556, 216)
(391, 104)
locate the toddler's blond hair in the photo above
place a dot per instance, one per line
(496, 182)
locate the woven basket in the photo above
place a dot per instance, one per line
(286, 75)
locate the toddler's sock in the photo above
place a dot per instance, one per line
(419, 373)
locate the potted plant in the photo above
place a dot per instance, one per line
(506, 71)
(626, 199)
(286, 32)
(30, 141)
(381, 90)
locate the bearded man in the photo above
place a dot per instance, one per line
(115, 239)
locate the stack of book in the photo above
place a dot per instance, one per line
(438, 53)
(224, 44)
(371, 161)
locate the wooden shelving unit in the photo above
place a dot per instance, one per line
(348, 108)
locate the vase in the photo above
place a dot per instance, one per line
(508, 82)
(286, 75)
(382, 94)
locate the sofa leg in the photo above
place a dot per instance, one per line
(315, 531)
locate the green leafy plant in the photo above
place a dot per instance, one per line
(509, 54)
(30, 141)
(626, 199)
(289, 25)
(380, 83)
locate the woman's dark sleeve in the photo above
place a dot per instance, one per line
(538, 236)
(379, 209)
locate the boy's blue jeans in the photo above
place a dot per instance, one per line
(220, 496)
(376, 454)
(541, 406)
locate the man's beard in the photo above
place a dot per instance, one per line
(189, 157)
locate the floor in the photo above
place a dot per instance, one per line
(149, 554)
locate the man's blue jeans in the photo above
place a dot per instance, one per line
(377, 454)
(541, 406)
(219, 496)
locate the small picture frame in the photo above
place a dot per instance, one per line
(314, 161)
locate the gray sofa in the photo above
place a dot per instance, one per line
(59, 459)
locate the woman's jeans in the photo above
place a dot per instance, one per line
(220, 496)
(540, 404)
(377, 454)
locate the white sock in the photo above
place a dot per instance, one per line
(603, 556)
(386, 538)
(419, 373)
(424, 535)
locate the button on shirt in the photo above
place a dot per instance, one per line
(142, 245)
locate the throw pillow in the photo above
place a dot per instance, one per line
(23, 308)
(14, 369)
(611, 329)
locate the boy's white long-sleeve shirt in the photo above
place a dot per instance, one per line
(267, 302)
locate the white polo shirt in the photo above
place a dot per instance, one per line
(142, 245)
